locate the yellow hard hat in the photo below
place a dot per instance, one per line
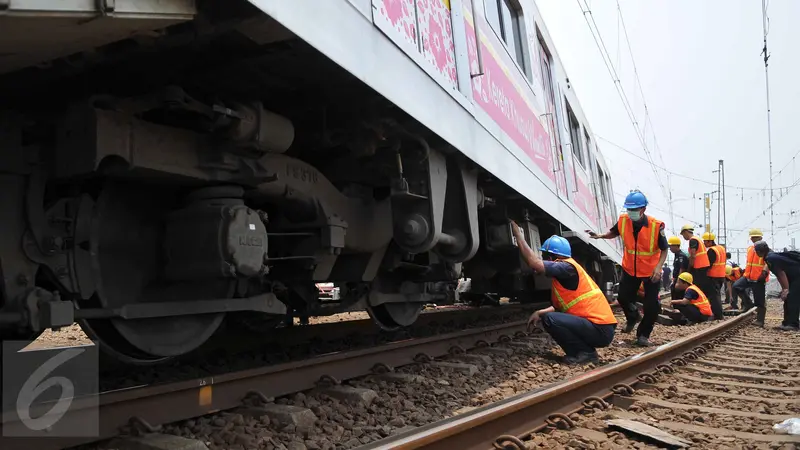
(687, 227)
(687, 277)
(708, 236)
(674, 240)
(728, 270)
(755, 232)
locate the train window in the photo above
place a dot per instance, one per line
(575, 135)
(505, 17)
(588, 141)
(601, 180)
(610, 193)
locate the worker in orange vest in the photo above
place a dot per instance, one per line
(756, 275)
(580, 319)
(644, 252)
(733, 273)
(716, 272)
(695, 306)
(698, 259)
(680, 264)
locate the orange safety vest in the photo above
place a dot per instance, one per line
(736, 273)
(587, 301)
(754, 266)
(701, 256)
(701, 301)
(641, 254)
(717, 269)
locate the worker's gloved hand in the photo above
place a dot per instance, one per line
(784, 294)
(592, 234)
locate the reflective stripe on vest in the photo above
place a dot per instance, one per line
(701, 301)
(653, 248)
(641, 253)
(566, 306)
(717, 269)
(586, 301)
(701, 255)
(754, 266)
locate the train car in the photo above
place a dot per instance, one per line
(168, 165)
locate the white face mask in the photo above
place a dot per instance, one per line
(635, 214)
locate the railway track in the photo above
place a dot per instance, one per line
(141, 409)
(722, 387)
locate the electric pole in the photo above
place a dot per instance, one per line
(707, 211)
(764, 21)
(722, 223)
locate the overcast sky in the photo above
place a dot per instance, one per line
(703, 79)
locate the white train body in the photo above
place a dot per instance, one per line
(512, 120)
(172, 165)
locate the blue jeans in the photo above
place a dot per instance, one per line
(575, 334)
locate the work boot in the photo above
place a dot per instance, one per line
(642, 341)
(788, 328)
(631, 324)
(581, 358)
(761, 314)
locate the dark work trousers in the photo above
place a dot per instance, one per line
(628, 286)
(702, 280)
(676, 294)
(714, 298)
(692, 313)
(728, 294)
(758, 289)
(791, 306)
(576, 334)
(744, 293)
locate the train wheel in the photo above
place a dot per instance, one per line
(392, 316)
(126, 253)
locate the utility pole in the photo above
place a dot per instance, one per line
(707, 211)
(764, 21)
(719, 216)
(722, 223)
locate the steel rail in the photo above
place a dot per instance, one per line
(524, 414)
(328, 331)
(151, 406)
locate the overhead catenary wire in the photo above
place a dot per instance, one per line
(771, 206)
(647, 118)
(688, 177)
(783, 191)
(608, 62)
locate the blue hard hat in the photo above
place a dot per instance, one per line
(635, 200)
(557, 245)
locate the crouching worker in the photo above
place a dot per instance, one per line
(694, 306)
(580, 320)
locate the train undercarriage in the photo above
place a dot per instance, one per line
(217, 171)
